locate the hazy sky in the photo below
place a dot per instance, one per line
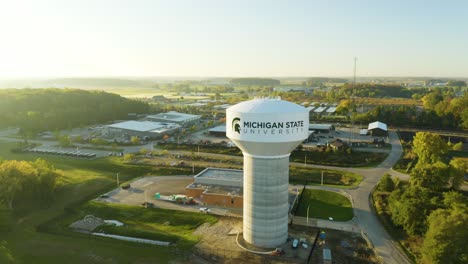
(233, 38)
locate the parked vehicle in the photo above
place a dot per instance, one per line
(205, 210)
(295, 243)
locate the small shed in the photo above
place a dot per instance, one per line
(378, 129)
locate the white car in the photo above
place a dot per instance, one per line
(205, 210)
(295, 243)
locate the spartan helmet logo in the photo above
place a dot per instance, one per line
(236, 124)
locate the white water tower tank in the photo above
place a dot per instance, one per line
(266, 130)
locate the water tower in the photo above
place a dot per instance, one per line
(266, 130)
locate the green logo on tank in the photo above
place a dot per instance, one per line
(236, 124)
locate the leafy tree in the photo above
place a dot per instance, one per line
(27, 181)
(65, 141)
(464, 118)
(98, 141)
(45, 181)
(143, 151)
(458, 146)
(386, 183)
(135, 140)
(432, 99)
(409, 208)
(433, 176)
(445, 240)
(34, 110)
(456, 83)
(457, 171)
(13, 174)
(78, 139)
(429, 147)
(454, 199)
(129, 157)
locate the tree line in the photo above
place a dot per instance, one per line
(34, 110)
(439, 111)
(430, 206)
(23, 182)
(254, 81)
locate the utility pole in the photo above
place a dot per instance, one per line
(117, 180)
(321, 182)
(354, 80)
(308, 214)
(146, 198)
(305, 160)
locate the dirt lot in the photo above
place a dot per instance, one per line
(346, 248)
(218, 245)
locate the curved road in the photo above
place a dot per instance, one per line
(365, 219)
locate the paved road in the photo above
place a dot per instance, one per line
(364, 219)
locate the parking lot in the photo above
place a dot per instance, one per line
(145, 188)
(348, 135)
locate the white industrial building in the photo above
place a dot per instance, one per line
(319, 110)
(140, 129)
(378, 129)
(331, 110)
(175, 117)
(323, 128)
(266, 130)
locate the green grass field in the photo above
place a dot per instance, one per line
(311, 176)
(82, 180)
(149, 223)
(324, 204)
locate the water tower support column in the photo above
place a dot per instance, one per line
(266, 200)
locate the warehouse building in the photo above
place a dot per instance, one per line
(141, 129)
(219, 131)
(175, 117)
(321, 128)
(217, 187)
(378, 129)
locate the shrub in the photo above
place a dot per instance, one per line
(386, 183)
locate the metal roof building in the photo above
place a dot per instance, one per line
(378, 129)
(174, 117)
(331, 110)
(219, 131)
(319, 109)
(322, 127)
(140, 128)
(219, 187)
